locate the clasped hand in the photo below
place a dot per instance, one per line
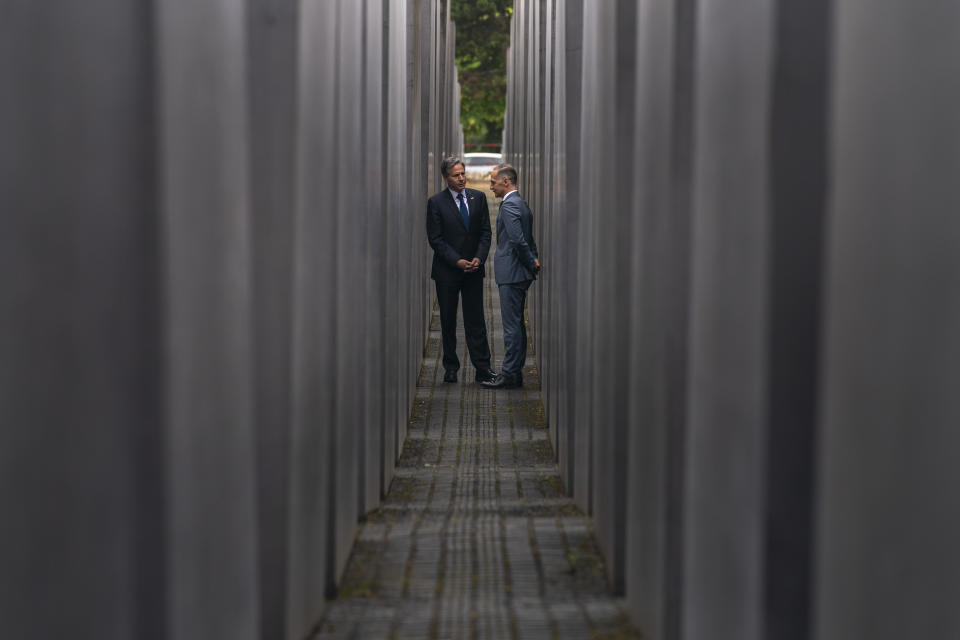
(469, 266)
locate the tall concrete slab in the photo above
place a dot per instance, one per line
(272, 58)
(581, 382)
(723, 501)
(798, 188)
(660, 315)
(81, 447)
(312, 390)
(374, 89)
(349, 299)
(887, 506)
(398, 144)
(570, 53)
(549, 201)
(205, 235)
(613, 210)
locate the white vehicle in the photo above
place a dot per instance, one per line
(479, 165)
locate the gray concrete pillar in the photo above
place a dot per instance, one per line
(581, 382)
(724, 462)
(349, 294)
(660, 315)
(374, 115)
(207, 341)
(273, 37)
(82, 474)
(798, 188)
(313, 521)
(548, 200)
(398, 176)
(561, 401)
(888, 519)
(612, 209)
(127, 333)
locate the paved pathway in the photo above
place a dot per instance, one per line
(476, 538)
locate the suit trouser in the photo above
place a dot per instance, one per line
(470, 291)
(513, 300)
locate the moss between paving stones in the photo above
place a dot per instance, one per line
(417, 411)
(366, 589)
(532, 412)
(541, 451)
(550, 485)
(415, 451)
(625, 631)
(587, 566)
(402, 489)
(531, 378)
(360, 576)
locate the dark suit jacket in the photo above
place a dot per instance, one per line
(452, 241)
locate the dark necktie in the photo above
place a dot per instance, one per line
(463, 211)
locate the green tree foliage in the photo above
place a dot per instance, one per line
(483, 35)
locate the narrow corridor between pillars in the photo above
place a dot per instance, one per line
(476, 538)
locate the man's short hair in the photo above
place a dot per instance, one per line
(507, 171)
(448, 163)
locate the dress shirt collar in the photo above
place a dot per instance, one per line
(507, 195)
(454, 195)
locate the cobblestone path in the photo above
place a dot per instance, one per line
(476, 538)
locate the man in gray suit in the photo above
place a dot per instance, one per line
(515, 265)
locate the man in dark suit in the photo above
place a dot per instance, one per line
(515, 264)
(458, 229)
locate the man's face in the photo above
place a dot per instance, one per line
(457, 179)
(498, 184)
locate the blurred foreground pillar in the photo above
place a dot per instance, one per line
(213, 302)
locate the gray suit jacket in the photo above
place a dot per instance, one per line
(516, 249)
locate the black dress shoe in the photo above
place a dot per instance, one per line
(501, 382)
(486, 375)
(450, 376)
